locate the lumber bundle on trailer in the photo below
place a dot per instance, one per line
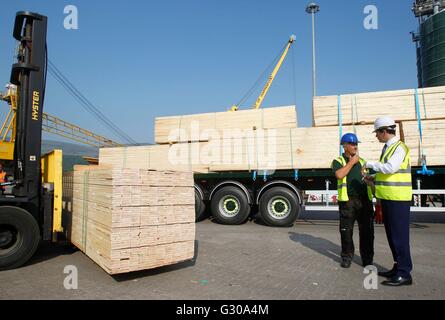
(197, 127)
(132, 219)
(297, 148)
(364, 108)
(276, 149)
(179, 157)
(433, 133)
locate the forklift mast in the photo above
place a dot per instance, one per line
(29, 74)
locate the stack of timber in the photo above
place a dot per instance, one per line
(364, 108)
(273, 142)
(198, 127)
(272, 149)
(433, 145)
(132, 219)
(183, 157)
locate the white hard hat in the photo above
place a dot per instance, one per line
(384, 122)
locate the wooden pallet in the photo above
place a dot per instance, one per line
(131, 219)
(199, 127)
(364, 108)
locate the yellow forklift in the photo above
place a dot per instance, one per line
(31, 199)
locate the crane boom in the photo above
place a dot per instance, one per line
(271, 78)
(50, 124)
(266, 88)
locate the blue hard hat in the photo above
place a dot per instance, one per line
(349, 138)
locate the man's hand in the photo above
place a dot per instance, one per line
(354, 159)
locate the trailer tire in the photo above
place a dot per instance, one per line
(230, 205)
(199, 207)
(19, 237)
(279, 207)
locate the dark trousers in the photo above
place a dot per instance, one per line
(396, 220)
(360, 209)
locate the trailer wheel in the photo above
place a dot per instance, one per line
(279, 207)
(230, 206)
(19, 237)
(199, 207)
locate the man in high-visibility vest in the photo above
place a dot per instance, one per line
(393, 187)
(355, 203)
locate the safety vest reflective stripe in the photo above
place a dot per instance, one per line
(386, 183)
(396, 186)
(342, 186)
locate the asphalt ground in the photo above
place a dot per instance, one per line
(249, 261)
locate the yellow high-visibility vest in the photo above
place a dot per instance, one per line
(396, 186)
(342, 187)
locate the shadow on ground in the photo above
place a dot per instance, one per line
(47, 251)
(324, 247)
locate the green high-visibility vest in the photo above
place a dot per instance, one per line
(396, 186)
(342, 187)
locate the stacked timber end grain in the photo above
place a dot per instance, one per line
(132, 219)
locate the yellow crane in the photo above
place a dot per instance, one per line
(272, 76)
(50, 124)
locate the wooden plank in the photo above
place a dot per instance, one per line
(366, 107)
(197, 127)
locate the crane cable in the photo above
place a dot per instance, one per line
(260, 78)
(87, 104)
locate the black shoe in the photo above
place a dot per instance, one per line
(367, 263)
(345, 263)
(388, 274)
(398, 281)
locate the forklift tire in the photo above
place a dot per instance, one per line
(230, 206)
(279, 207)
(19, 237)
(199, 207)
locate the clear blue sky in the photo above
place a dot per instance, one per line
(140, 59)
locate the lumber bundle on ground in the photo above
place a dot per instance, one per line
(197, 127)
(364, 108)
(132, 219)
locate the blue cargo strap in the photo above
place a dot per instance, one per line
(424, 170)
(254, 175)
(265, 175)
(340, 122)
(296, 175)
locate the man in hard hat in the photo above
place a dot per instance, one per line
(355, 203)
(393, 187)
